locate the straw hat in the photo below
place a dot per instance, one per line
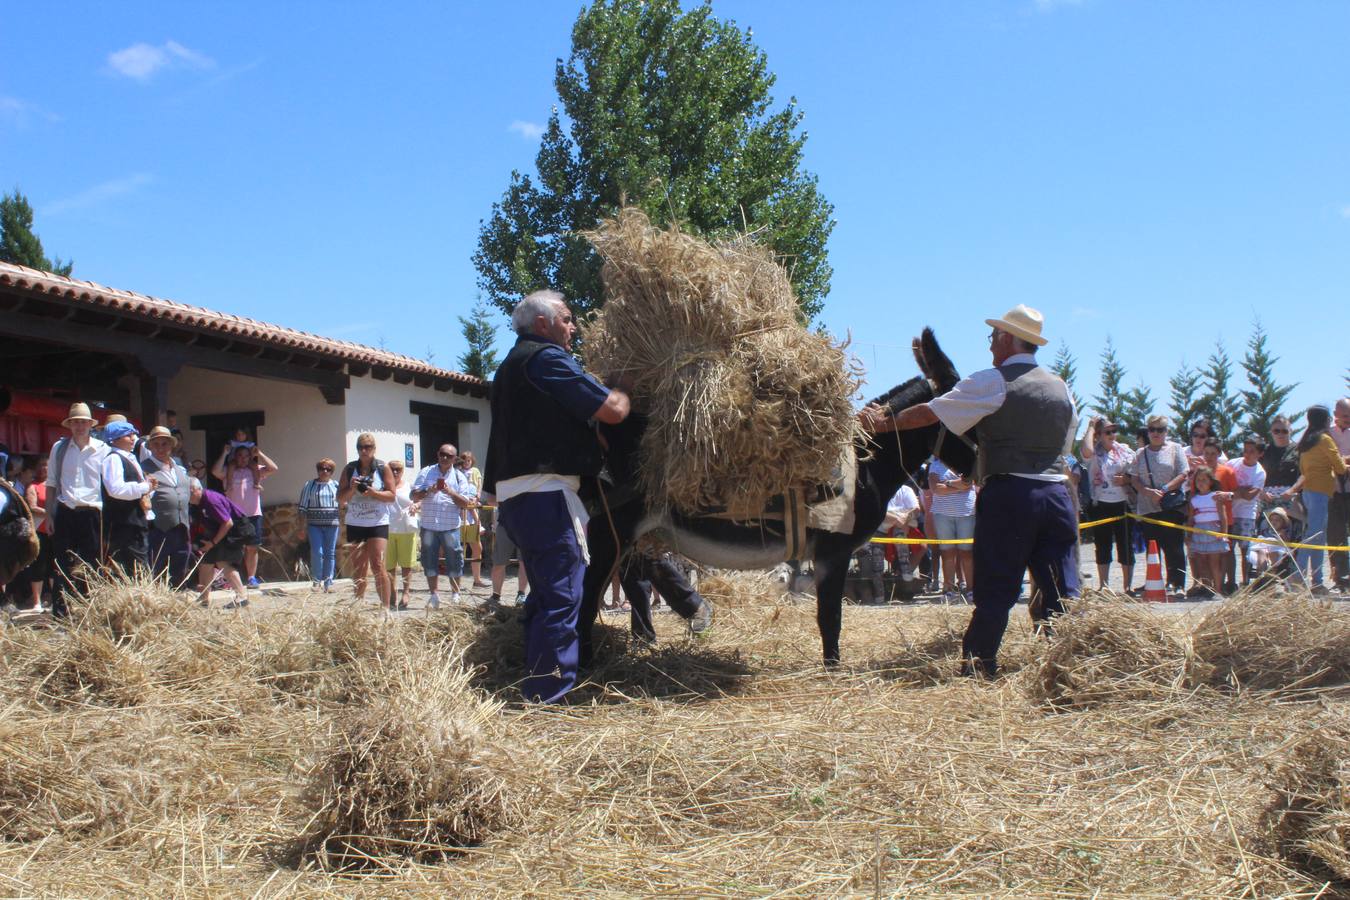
(159, 431)
(115, 417)
(79, 412)
(1023, 322)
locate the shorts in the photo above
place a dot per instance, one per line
(401, 552)
(953, 528)
(256, 539)
(469, 533)
(358, 534)
(503, 548)
(1204, 543)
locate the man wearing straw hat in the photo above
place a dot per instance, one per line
(541, 447)
(171, 504)
(75, 498)
(1024, 420)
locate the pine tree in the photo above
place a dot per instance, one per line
(1220, 405)
(18, 243)
(1110, 402)
(1262, 400)
(1137, 405)
(480, 360)
(1187, 401)
(1066, 367)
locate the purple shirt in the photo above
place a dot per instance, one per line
(218, 509)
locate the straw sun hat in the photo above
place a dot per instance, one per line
(1022, 321)
(79, 412)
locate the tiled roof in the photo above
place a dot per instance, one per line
(97, 296)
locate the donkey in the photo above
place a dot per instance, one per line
(894, 457)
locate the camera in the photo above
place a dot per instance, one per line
(363, 483)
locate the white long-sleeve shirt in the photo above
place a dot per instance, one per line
(114, 482)
(81, 475)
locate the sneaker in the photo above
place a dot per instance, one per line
(313, 587)
(434, 601)
(521, 597)
(237, 603)
(328, 586)
(402, 605)
(454, 596)
(1320, 590)
(253, 581)
(702, 618)
(952, 597)
(968, 597)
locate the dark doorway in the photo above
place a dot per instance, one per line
(436, 425)
(219, 430)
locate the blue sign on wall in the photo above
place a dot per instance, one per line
(407, 454)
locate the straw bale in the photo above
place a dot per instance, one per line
(130, 608)
(1103, 651)
(742, 402)
(1292, 642)
(728, 588)
(424, 770)
(1309, 819)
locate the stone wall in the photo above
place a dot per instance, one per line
(285, 555)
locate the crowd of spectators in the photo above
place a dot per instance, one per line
(109, 498)
(1219, 522)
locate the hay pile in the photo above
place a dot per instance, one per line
(1309, 820)
(1286, 643)
(742, 401)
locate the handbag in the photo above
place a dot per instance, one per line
(1172, 500)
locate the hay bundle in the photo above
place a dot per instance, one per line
(1277, 643)
(131, 608)
(1104, 652)
(742, 401)
(728, 589)
(418, 773)
(1309, 820)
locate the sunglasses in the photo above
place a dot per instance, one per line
(324, 468)
(1153, 429)
(365, 446)
(1279, 431)
(446, 455)
(1110, 430)
(396, 469)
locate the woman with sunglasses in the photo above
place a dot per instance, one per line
(402, 550)
(1109, 464)
(1159, 468)
(364, 488)
(319, 506)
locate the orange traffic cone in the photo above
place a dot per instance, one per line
(1154, 589)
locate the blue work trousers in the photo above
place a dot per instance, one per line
(541, 528)
(322, 552)
(1021, 524)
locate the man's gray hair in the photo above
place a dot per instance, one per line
(540, 303)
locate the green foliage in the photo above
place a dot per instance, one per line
(480, 359)
(1264, 396)
(1110, 400)
(1137, 406)
(18, 243)
(1187, 400)
(1220, 405)
(669, 111)
(1066, 367)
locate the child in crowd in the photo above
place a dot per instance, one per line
(1272, 561)
(1206, 512)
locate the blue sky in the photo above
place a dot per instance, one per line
(1160, 172)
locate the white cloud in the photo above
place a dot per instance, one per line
(21, 112)
(530, 131)
(140, 62)
(98, 194)
(1047, 6)
(1085, 312)
(1345, 212)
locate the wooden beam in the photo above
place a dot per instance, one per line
(381, 373)
(441, 411)
(333, 396)
(358, 368)
(403, 376)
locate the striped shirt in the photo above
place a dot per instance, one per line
(318, 502)
(957, 503)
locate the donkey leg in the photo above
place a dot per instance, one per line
(831, 571)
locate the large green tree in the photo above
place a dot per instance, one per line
(1263, 397)
(1137, 406)
(480, 359)
(1221, 405)
(670, 111)
(1066, 367)
(1110, 399)
(18, 243)
(1187, 397)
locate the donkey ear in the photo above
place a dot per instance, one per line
(934, 364)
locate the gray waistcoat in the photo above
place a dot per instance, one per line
(170, 503)
(1026, 435)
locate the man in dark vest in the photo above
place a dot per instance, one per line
(1024, 420)
(125, 500)
(542, 445)
(171, 505)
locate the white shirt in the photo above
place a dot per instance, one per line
(903, 501)
(401, 519)
(981, 394)
(439, 512)
(81, 474)
(114, 481)
(1247, 476)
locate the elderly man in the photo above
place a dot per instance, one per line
(1338, 510)
(75, 503)
(125, 500)
(171, 505)
(1024, 421)
(541, 447)
(443, 489)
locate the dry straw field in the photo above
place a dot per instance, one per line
(159, 750)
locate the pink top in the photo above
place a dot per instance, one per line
(245, 491)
